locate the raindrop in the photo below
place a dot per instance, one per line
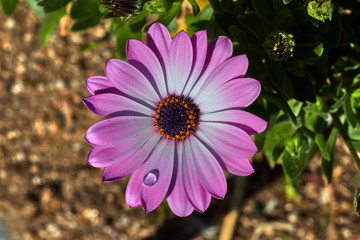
(151, 177)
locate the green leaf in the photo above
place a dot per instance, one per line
(84, 9)
(320, 141)
(287, 1)
(280, 79)
(349, 113)
(300, 15)
(296, 106)
(252, 24)
(195, 7)
(315, 123)
(327, 165)
(354, 132)
(349, 68)
(276, 138)
(8, 6)
(123, 34)
(171, 14)
(293, 166)
(53, 5)
(263, 9)
(299, 150)
(311, 109)
(284, 18)
(48, 26)
(39, 11)
(138, 23)
(216, 6)
(339, 103)
(280, 103)
(319, 49)
(355, 143)
(305, 90)
(83, 24)
(356, 93)
(240, 36)
(306, 54)
(293, 67)
(200, 21)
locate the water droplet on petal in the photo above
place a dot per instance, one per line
(151, 177)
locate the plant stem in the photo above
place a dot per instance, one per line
(346, 138)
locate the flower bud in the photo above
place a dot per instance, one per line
(126, 10)
(320, 9)
(279, 45)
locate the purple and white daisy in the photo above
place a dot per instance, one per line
(174, 120)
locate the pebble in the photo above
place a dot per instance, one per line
(17, 88)
(210, 232)
(10, 23)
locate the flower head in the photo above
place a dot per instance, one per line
(320, 9)
(174, 120)
(279, 45)
(126, 10)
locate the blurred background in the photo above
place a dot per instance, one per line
(48, 191)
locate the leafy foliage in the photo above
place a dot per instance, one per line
(8, 6)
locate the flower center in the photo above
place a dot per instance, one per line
(116, 4)
(126, 10)
(176, 117)
(279, 45)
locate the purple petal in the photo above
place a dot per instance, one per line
(248, 122)
(141, 57)
(237, 166)
(158, 40)
(114, 131)
(113, 105)
(131, 81)
(128, 165)
(180, 62)
(103, 157)
(133, 189)
(150, 182)
(237, 93)
(234, 67)
(228, 139)
(198, 196)
(210, 174)
(199, 44)
(135, 184)
(100, 84)
(177, 199)
(159, 173)
(218, 51)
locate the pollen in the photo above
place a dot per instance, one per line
(176, 117)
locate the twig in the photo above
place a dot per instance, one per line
(228, 228)
(281, 226)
